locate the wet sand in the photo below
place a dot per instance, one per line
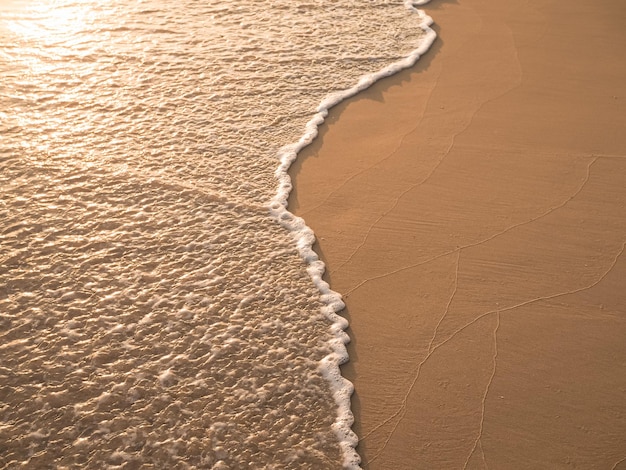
(472, 211)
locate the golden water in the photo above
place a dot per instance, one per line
(152, 313)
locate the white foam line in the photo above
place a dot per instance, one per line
(332, 303)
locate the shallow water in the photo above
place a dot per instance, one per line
(152, 310)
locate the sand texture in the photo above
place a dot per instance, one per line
(472, 211)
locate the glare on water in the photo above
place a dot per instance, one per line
(151, 311)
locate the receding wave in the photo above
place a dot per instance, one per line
(153, 311)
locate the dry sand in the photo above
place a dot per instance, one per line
(472, 211)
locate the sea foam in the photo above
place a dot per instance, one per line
(305, 238)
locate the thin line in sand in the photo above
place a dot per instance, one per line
(447, 309)
(482, 412)
(617, 463)
(391, 154)
(402, 409)
(480, 242)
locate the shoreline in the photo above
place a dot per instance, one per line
(471, 210)
(332, 303)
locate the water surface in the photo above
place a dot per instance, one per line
(152, 310)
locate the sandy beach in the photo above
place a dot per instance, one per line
(472, 212)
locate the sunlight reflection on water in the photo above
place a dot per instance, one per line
(150, 309)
